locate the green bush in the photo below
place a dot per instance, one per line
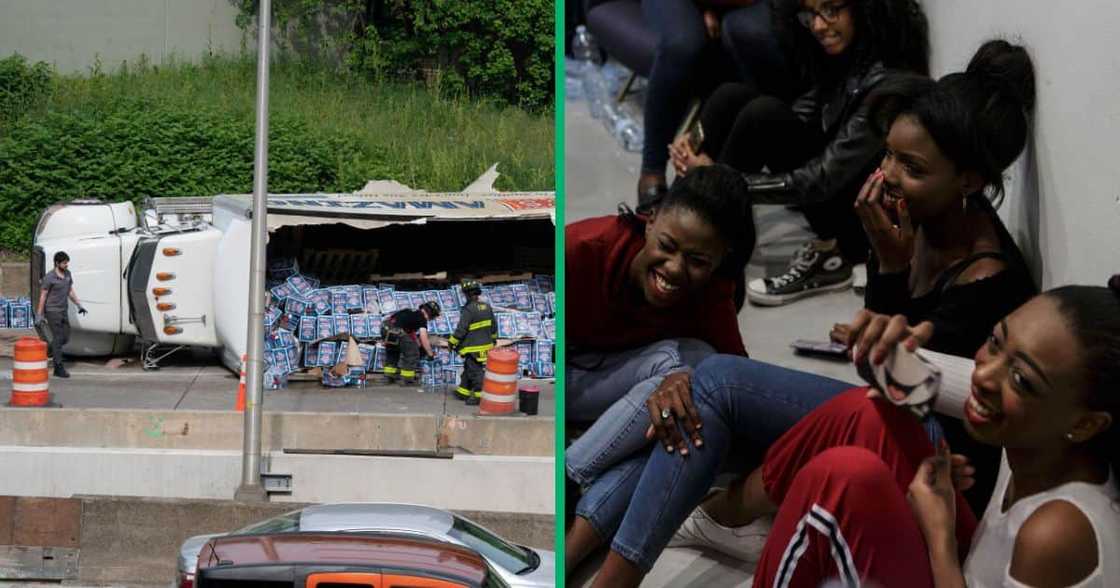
(136, 150)
(496, 49)
(22, 87)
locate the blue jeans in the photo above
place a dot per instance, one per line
(612, 389)
(642, 501)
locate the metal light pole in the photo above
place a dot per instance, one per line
(250, 489)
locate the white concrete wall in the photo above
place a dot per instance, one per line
(1063, 201)
(73, 33)
(469, 482)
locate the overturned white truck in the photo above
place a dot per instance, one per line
(177, 275)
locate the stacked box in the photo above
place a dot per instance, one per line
(415, 299)
(448, 300)
(548, 328)
(311, 356)
(552, 303)
(367, 352)
(332, 381)
(19, 314)
(290, 321)
(527, 325)
(387, 301)
(439, 325)
(308, 329)
(4, 313)
(352, 298)
(341, 324)
(452, 320)
(359, 326)
(302, 285)
(524, 356)
(540, 304)
(328, 354)
(507, 325)
(402, 300)
(370, 303)
(298, 305)
(462, 298)
(542, 350)
(321, 298)
(271, 317)
(282, 292)
(375, 321)
(544, 369)
(325, 327)
(522, 297)
(378, 358)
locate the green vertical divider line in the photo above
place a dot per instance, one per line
(559, 359)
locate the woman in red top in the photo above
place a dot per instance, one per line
(646, 299)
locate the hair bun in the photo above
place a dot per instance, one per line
(1005, 69)
(1114, 284)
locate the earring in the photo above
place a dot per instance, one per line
(1069, 437)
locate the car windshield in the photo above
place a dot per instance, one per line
(285, 523)
(518, 560)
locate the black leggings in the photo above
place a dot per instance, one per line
(750, 131)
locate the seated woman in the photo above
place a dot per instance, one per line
(1044, 388)
(985, 107)
(648, 298)
(864, 495)
(817, 150)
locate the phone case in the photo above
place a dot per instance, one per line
(905, 379)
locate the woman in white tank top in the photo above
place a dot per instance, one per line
(1045, 388)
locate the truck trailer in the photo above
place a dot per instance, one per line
(176, 274)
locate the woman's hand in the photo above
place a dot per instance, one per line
(893, 244)
(711, 24)
(840, 333)
(932, 496)
(873, 336)
(684, 158)
(670, 403)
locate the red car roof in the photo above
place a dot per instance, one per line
(376, 551)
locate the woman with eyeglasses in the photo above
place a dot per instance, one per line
(816, 150)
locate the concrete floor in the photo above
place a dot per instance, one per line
(599, 175)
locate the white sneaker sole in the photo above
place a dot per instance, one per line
(763, 299)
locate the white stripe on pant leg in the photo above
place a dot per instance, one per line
(504, 378)
(798, 543)
(823, 521)
(501, 399)
(29, 365)
(22, 387)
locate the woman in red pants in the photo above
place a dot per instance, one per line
(862, 496)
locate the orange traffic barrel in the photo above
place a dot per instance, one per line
(239, 405)
(499, 386)
(29, 373)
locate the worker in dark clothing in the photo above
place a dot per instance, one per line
(405, 334)
(53, 308)
(473, 338)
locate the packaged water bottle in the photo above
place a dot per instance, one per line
(585, 51)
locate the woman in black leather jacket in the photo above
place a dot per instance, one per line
(817, 150)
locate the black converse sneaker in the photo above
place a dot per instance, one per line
(812, 271)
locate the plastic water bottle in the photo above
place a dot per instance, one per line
(595, 91)
(585, 51)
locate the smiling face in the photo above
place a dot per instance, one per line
(836, 29)
(1027, 388)
(681, 252)
(915, 170)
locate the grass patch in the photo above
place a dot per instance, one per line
(187, 129)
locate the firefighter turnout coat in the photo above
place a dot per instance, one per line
(476, 332)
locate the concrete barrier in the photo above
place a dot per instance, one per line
(222, 430)
(485, 483)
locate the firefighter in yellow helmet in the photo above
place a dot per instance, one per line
(473, 338)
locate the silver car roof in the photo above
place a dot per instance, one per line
(375, 515)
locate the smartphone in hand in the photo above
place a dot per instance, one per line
(820, 348)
